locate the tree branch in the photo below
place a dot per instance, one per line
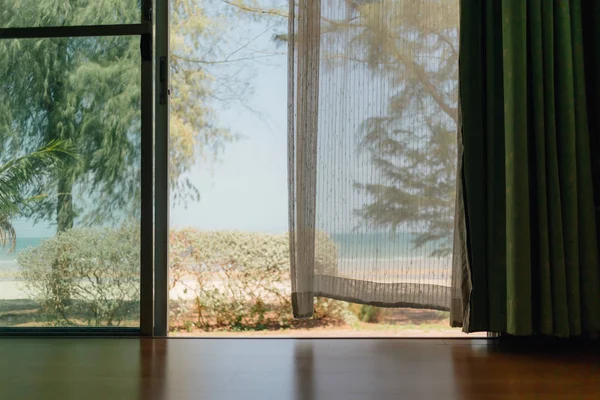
(225, 61)
(254, 10)
(431, 89)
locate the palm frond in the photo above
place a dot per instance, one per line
(19, 176)
(8, 235)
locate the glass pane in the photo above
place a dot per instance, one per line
(44, 13)
(69, 182)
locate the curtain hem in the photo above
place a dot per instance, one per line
(302, 304)
(388, 295)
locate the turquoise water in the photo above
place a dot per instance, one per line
(350, 245)
(382, 245)
(8, 259)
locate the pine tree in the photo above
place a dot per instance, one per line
(86, 92)
(414, 47)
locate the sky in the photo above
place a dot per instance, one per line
(246, 189)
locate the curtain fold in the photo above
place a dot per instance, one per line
(526, 112)
(373, 113)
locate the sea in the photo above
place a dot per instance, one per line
(389, 246)
(349, 245)
(8, 259)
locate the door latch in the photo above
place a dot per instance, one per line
(165, 92)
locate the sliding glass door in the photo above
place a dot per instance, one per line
(76, 166)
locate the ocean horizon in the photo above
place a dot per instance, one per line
(382, 246)
(389, 246)
(22, 244)
(8, 259)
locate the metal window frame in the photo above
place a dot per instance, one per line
(70, 331)
(76, 31)
(145, 31)
(162, 206)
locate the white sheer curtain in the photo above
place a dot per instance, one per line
(372, 151)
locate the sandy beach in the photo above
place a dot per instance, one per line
(12, 290)
(425, 270)
(409, 270)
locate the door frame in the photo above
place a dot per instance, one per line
(144, 30)
(161, 155)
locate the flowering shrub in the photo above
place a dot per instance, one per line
(218, 280)
(238, 280)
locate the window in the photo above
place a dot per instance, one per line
(76, 133)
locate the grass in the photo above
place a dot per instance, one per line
(386, 322)
(28, 313)
(14, 313)
(364, 326)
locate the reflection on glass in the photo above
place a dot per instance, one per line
(69, 182)
(44, 13)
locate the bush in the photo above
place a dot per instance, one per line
(232, 280)
(366, 313)
(239, 280)
(326, 255)
(85, 276)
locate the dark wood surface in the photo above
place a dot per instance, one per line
(280, 369)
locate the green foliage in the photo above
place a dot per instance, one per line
(369, 313)
(84, 91)
(85, 276)
(18, 184)
(87, 91)
(25, 13)
(366, 313)
(239, 280)
(209, 66)
(236, 277)
(330, 310)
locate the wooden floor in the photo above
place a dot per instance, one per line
(381, 369)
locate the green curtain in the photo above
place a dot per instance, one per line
(529, 99)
